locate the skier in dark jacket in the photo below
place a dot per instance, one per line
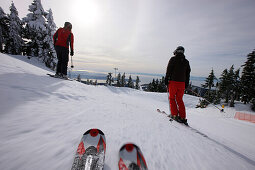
(177, 79)
(62, 39)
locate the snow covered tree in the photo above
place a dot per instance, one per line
(39, 30)
(51, 24)
(123, 80)
(4, 29)
(130, 82)
(15, 42)
(248, 78)
(35, 29)
(137, 81)
(50, 53)
(118, 84)
(109, 79)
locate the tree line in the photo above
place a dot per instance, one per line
(231, 86)
(121, 81)
(157, 85)
(31, 35)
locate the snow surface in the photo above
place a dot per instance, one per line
(42, 120)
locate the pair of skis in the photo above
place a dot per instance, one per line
(170, 118)
(191, 128)
(52, 75)
(91, 151)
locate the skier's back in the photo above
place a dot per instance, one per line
(177, 79)
(62, 39)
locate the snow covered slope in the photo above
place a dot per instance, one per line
(42, 120)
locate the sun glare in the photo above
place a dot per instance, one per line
(85, 11)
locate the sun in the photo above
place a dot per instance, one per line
(85, 11)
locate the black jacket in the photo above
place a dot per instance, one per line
(178, 69)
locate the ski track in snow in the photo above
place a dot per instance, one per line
(42, 120)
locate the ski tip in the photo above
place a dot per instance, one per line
(94, 132)
(127, 154)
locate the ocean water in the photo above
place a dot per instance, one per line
(145, 78)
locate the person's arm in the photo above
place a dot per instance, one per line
(170, 67)
(169, 70)
(187, 76)
(55, 37)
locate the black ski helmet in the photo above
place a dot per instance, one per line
(179, 49)
(68, 24)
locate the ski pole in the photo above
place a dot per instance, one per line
(222, 110)
(71, 61)
(168, 99)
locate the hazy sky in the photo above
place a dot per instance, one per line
(140, 35)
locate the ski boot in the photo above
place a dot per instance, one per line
(64, 77)
(184, 121)
(58, 75)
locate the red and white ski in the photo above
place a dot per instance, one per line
(90, 153)
(131, 158)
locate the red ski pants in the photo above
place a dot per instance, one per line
(176, 92)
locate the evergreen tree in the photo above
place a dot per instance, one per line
(235, 87)
(156, 85)
(153, 87)
(231, 82)
(35, 29)
(118, 80)
(15, 42)
(149, 88)
(162, 86)
(224, 85)
(209, 83)
(137, 81)
(50, 23)
(238, 85)
(248, 78)
(4, 29)
(130, 82)
(50, 57)
(229, 85)
(109, 79)
(123, 80)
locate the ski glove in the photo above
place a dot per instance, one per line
(71, 53)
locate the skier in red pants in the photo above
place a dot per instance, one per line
(63, 38)
(177, 79)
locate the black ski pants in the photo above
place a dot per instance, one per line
(62, 54)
